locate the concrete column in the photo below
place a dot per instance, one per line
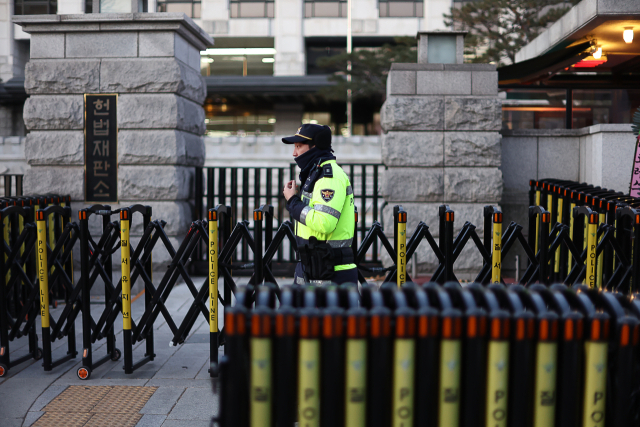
(433, 14)
(441, 144)
(66, 7)
(288, 118)
(152, 62)
(289, 41)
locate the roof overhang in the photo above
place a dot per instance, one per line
(584, 21)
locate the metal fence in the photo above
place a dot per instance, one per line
(244, 189)
(11, 185)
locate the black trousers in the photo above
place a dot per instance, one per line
(339, 277)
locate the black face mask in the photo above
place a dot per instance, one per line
(311, 158)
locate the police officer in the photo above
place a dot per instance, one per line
(323, 211)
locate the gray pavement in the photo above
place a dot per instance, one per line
(185, 396)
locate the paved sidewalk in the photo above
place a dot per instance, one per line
(184, 394)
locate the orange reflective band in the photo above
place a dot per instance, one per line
(448, 216)
(434, 325)
(304, 326)
(495, 329)
(376, 326)
(595, 329)
(266, 324)
(257, 215)
(568, 330)
(124, 214)
(472, 327)
(402, 217)
(543, 331)
(255, 325)
(447, 327)
(356, 217)
(40, 216)
(624, 336)
(213, 215)
(280, 325)
(637, 219)
(546, 217)
(520, 329)
(423, 326)
(497, 217)
(401, 325)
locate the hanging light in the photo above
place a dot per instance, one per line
(598, 53)
(627, 34)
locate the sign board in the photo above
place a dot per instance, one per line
(634, 188)
(101, 148)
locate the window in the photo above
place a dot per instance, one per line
(189, 8)
(36, 7)
(401, 9)
(251, 9)
(325, 9)
(533, 108)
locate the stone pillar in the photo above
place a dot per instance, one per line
(152, 61)
(289, 41)
(441, 145)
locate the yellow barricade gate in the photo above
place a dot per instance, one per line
(546, 355)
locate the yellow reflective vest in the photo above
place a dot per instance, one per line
(329, 212)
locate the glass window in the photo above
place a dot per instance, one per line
(251, 9)
(592, 107)
(533, 109)
(237, 62)
(401, 9)
(223, 119)
(325, 9)
(189, 8)
(35, 7)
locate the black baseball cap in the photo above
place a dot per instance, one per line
(318, 135)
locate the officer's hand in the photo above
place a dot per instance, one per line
(289, 190)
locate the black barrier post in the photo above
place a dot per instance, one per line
(108, 267)
(625, 362)
(332, 353)
(148, 268)
(285, 360)
(448, 242)
(543, 268)
(569, 370)
(378, 372)
(238, 387)
(354, 243)
(486, 231)
(84, 372)
(268, 229)
(258, 216)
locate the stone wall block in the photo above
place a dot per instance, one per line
(101, 44)
(484, 83)
(413, 185)
(154, 182)
(444, 83)
(401, 83)
(62, 76)
(472, 149)
(156, 43)
(152, 75)
(467, 113)
(412, 113)
(479, 185)
(56, 180)
(47, 46)
(412, 148)
(45, 148)
(160, 111)
(160, 147)
(64, 112)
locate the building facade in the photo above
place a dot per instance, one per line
(262, 73)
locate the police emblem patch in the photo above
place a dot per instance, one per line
(327, 195)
